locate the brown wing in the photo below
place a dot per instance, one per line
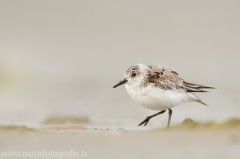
(165, 78)
(168, 79)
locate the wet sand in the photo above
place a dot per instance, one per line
(118, 144)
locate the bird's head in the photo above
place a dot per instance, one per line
(132, 75)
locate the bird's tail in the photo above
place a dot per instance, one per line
(195, 98)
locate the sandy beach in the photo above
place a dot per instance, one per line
(118, 144)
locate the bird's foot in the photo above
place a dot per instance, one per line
(145, 122)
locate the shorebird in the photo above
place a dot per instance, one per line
(159, 88)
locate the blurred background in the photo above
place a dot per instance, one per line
(62, 58)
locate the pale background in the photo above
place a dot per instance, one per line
(63, 57)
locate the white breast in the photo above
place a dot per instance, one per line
(155, 98)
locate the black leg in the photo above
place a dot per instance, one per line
(149, 117)
(169, 117)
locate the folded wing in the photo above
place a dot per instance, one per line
(168, 79)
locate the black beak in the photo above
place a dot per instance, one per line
(120, 83)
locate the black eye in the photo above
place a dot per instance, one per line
(133, 74)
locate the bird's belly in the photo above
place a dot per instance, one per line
(158, 99)
(150, 104)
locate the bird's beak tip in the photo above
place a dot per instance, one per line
(120, 83)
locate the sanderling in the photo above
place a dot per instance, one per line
(159, 88)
